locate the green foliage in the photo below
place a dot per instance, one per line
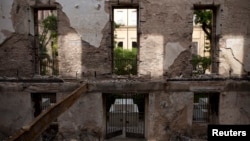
(197, 96)
(205, 63)
(116, 25)
(48, 35)
(195, 60)
(201, 64)
(125, 61)
(50, 23)
(204, 17)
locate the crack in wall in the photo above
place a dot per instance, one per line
(231, 50)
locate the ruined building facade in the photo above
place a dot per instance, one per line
(164, 72)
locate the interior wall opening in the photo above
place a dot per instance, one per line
(46, 46)
(203, 38)
(125, 40)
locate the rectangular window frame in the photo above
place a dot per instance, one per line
(209, 107)
(39, 105)
(214, 46)
(119, 6)
(35, 10)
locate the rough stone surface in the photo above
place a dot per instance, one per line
(15, 50)
(163, 117)
(237, 110)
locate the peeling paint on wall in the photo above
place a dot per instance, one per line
(5, 19)
(172, 50)
(88, 18)
(232, 56)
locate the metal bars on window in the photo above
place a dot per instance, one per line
(201, 107)
(125, 115)
(42, 101)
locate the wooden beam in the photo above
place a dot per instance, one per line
(32, 131)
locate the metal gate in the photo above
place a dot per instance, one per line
(125, 115)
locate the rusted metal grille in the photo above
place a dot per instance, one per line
(125, 115)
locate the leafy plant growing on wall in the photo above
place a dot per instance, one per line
(46, 36)
(204, 18)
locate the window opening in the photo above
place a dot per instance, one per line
(134, 44)
(46, 41)
(124, 34)
(203, 42)
(41, 103)
(206, 107)
(120, 44)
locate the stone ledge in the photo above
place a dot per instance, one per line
(32, 80)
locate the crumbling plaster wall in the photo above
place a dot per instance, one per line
(16, 44)
(169, 114)
(166, 30)
(234, 103)
(88, 18)
(235, 40)
(162, 46)
(84, 119)
(84, 41)
(237, 111)
(169, 111)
